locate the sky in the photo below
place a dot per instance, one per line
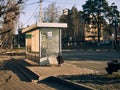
(30, 13)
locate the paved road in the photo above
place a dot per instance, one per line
(90, 55)
(96, 60)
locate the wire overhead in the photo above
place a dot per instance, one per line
(44, 1)
(49, 1)
(31, 15)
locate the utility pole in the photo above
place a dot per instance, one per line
(40, 20)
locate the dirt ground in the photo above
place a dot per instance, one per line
(100, 81)
(12, 81)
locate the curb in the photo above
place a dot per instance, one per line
(97, 50)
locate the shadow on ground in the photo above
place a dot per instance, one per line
(18, 67)
(50, 82)
(61, 84)
(94, 79)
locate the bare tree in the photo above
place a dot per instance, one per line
(52, 13)
(9, 14)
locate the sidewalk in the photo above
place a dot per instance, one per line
(17, 82)
(54, 70)
(9, 80)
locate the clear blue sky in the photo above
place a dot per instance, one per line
(31, 9)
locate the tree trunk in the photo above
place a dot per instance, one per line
(99, 29)
(116, 43)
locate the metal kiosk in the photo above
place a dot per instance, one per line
(43, 42)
